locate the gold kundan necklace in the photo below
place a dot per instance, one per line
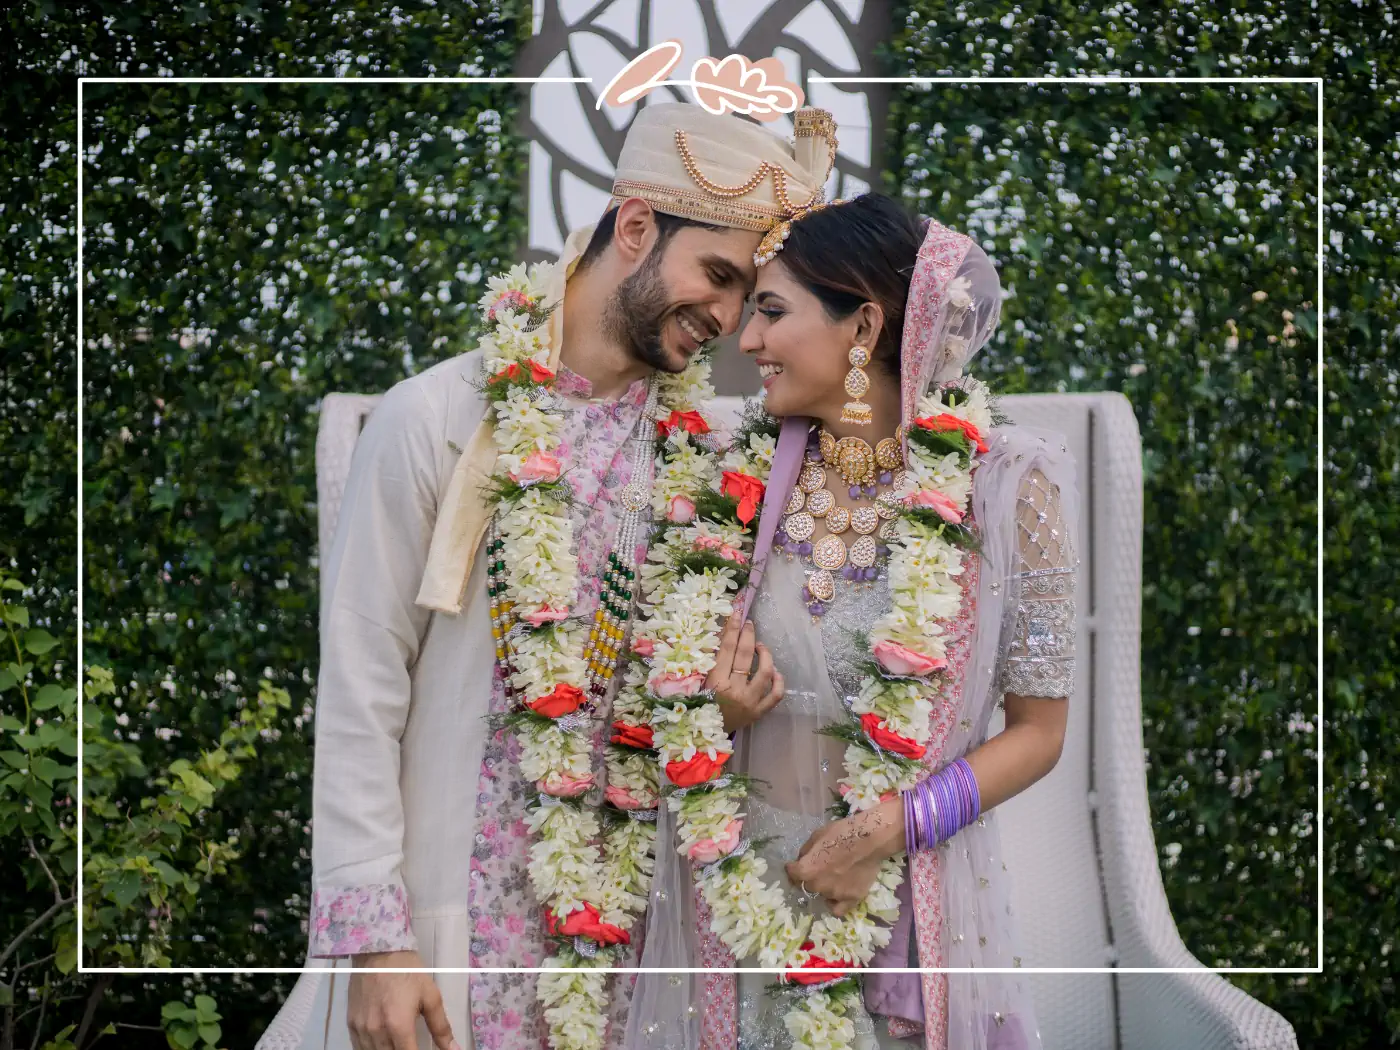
(873, 475)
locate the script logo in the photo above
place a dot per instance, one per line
(732, 84)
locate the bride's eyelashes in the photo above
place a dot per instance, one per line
(771, 312)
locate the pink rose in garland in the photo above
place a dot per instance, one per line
(668, 685)
(565, 785)
(707, 851)
(545, 614)
(537, 467)
(680, 510)
(724, 550)
(511, 299)
(929, 499)
(643, 646)
(899, 659)
(622, 798)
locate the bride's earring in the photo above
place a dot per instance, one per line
(857, 383)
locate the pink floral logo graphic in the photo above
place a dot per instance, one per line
(733, 84)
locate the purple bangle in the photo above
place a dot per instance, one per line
(938, 807)
(909, 836)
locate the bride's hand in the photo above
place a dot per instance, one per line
(841, 860)
(743, 698)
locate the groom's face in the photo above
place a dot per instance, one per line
(688, 289)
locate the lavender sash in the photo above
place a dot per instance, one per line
(787, 464)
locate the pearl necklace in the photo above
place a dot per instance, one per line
(856, 462)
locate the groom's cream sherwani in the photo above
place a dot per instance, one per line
(406, 678)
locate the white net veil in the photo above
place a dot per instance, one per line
(956, 908)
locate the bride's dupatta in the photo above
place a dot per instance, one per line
(955, 908)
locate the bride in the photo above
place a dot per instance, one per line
(913, 571)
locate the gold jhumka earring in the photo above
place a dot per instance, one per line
(857, 383)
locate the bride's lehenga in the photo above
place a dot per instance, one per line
(972, 924)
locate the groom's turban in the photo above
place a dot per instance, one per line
(724, 170)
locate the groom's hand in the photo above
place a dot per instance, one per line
(743, 697)
(384, 1007)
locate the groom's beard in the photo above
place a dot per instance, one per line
(636, 314)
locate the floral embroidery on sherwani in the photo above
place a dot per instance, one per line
(506, 925)
(360, 919)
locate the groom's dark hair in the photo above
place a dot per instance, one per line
(860, 251)
(667, 226)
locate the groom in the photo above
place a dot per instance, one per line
(418, 847)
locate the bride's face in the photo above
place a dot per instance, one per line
(800, 351)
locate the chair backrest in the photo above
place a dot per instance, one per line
(1050, 834)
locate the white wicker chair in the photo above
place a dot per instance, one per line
(1087, 887)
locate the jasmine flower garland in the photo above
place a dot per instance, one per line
(590, 866)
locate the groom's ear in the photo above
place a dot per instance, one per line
(634, 231)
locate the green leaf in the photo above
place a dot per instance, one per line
(210, 1033)
(125, 889)
(67, 958)
(7, 679)
(175, 1010)
(16, 614)
(206, 1008)
(51, 696)
(14, 759)
(182, 1037)
(163, 497)
(39, 641)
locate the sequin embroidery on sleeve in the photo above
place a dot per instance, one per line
(1040, 660)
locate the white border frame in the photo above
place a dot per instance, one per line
(1316, 82)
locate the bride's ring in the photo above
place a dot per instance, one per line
(805, 891)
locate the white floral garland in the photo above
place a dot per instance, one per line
(592, 882)
(889, 729)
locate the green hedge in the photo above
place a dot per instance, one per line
(248, 248)
(1161, 240)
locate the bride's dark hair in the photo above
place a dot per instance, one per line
(860, 251)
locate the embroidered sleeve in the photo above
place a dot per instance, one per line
(356, 920)
(1040, 660)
